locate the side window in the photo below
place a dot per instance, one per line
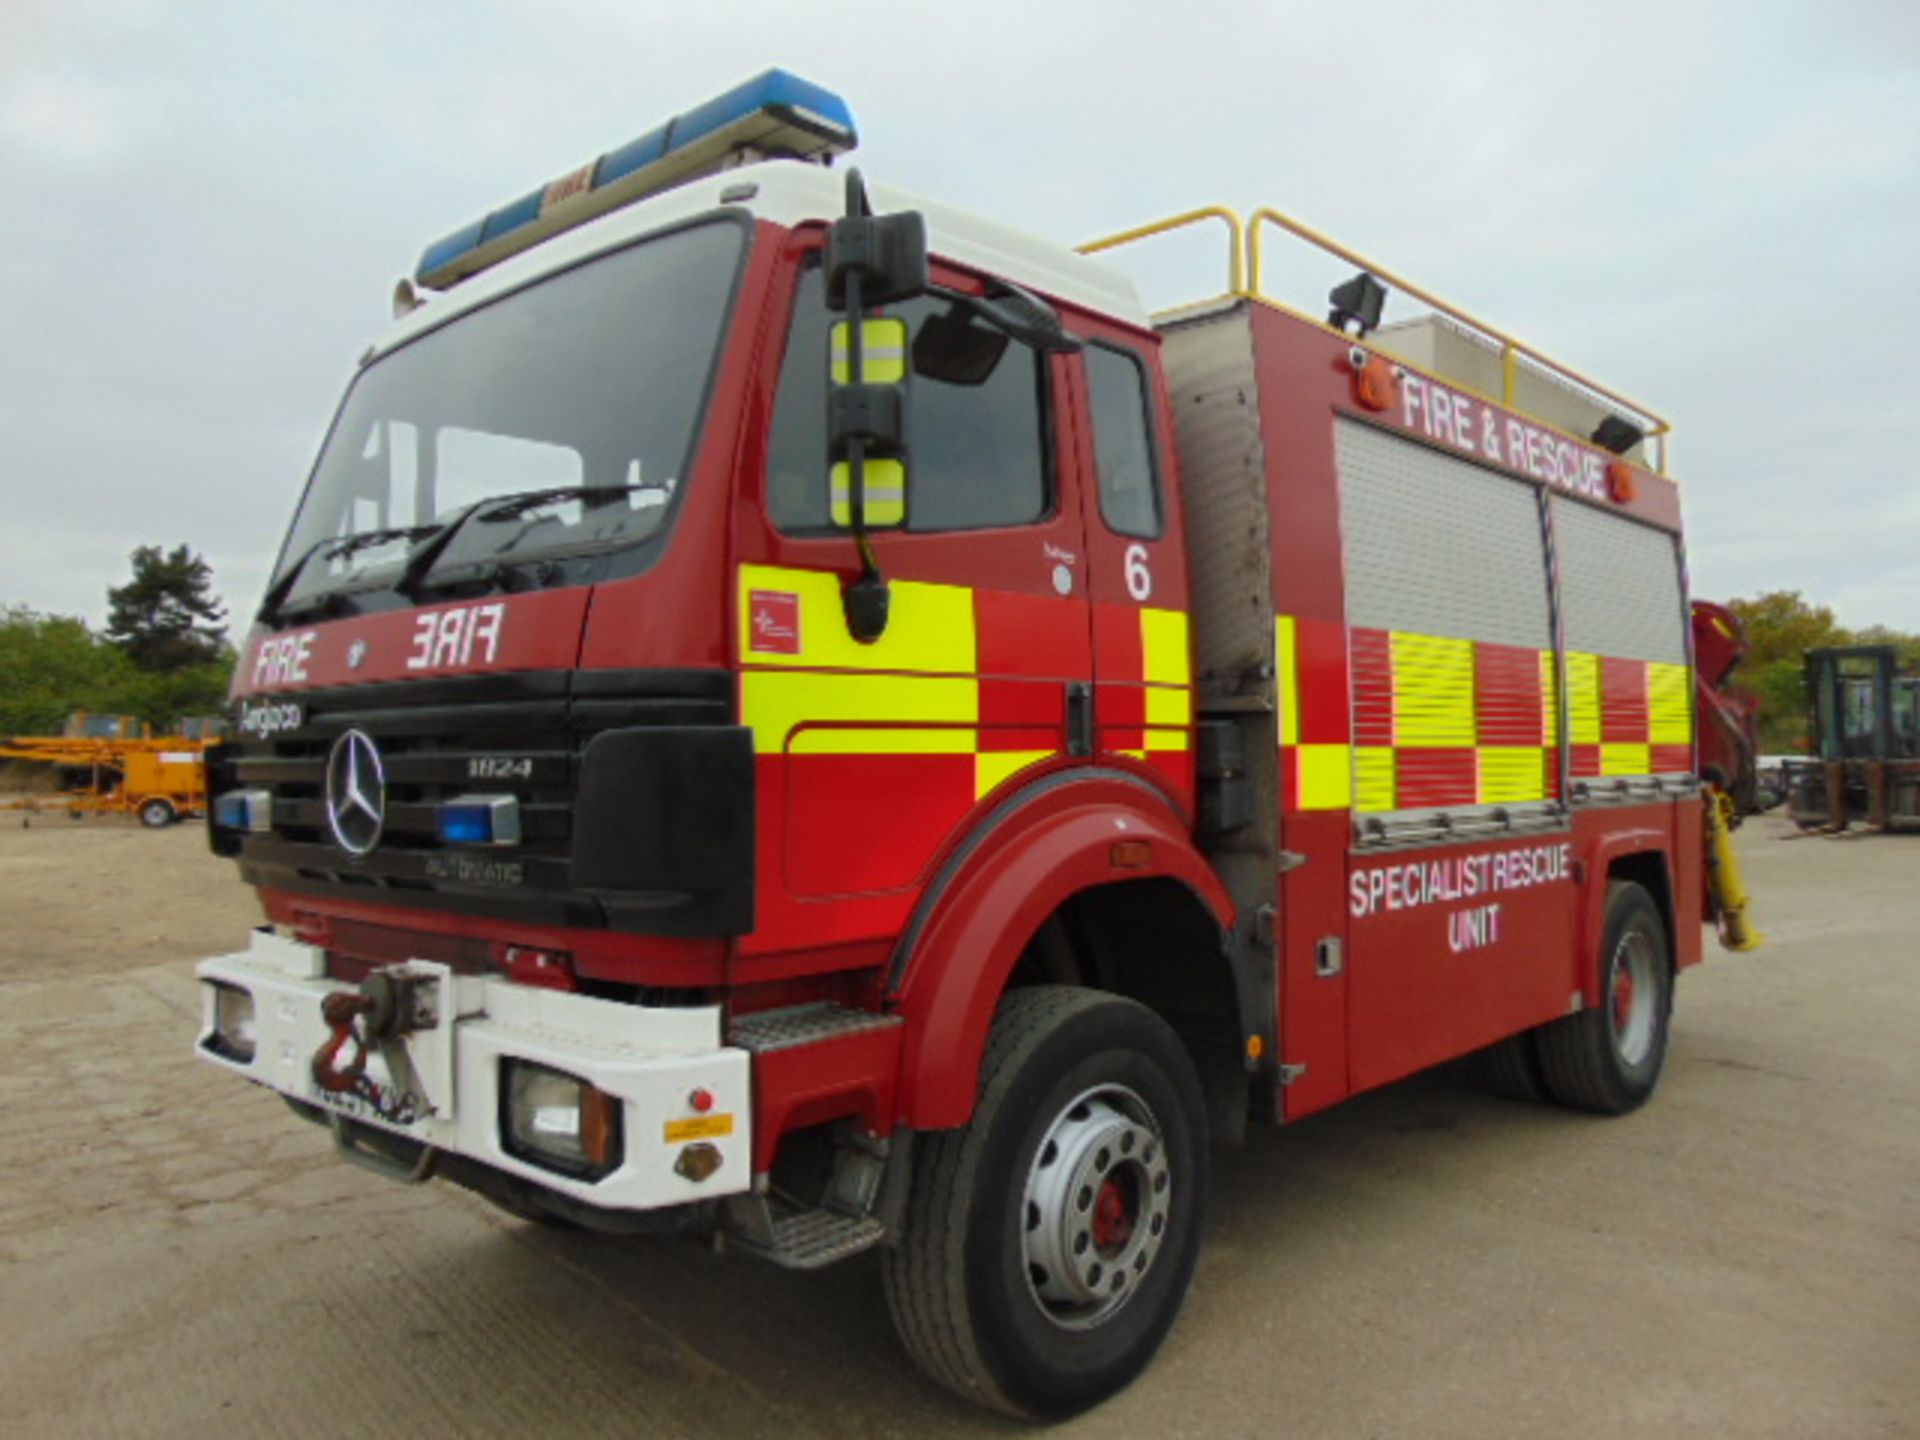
(976, 448)
(1123, 443)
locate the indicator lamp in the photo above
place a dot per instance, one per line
(250, 810)
(479, 820)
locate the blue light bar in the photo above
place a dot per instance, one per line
(479, 820)
(772, 114)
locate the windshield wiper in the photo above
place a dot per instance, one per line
(497, 507)
(335, 547)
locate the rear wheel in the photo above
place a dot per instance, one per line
(1049, 1244)
(1608, 1058)
(156, 814)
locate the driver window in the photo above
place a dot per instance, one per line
(976, 446)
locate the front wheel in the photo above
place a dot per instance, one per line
(1049, 1244)
(156, 814)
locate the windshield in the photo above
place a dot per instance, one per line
(591, 380)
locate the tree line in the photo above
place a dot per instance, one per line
(163, 655)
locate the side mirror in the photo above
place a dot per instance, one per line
(887, 252)
(867, 421)
(870, 260)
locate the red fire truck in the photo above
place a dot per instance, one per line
(808, 718)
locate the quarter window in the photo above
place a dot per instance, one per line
(1123, 443)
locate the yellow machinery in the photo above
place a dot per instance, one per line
(111, 764)
(1724, 886)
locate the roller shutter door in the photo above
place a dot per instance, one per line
(1450, 642)
(1629, 688)
(1437, 546)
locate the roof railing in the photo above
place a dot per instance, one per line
(1246, 279)
(1236, 232)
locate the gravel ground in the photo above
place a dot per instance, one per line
(179, 1256)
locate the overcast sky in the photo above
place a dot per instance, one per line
(1713, 208)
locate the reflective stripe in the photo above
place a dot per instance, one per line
(1323, 777)
(1549, 700)
(1167, 671)
(1511, 773)
(1583, 698)
(883, 346)
(991, 767)
(1432, 690)
(930, 628)
(1626, 760)
(1373, 778)
(1163, 647)
(1286, 667)
(801, 712)
(885, 491)
(1669, 704)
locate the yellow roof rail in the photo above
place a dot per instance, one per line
(1236, 230)
(1245, 278)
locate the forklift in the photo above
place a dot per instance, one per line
(1865, 766)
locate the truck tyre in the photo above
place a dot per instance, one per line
(1510, 1069)
(1608, 1057)
(156, 814)
(1048, 1244)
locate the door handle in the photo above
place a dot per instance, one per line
(1079, 718)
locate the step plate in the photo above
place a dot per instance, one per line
(817, 1238)
(803, 1025)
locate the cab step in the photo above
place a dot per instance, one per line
(809, 1024)
(813, 1239)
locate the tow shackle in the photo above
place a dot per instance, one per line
(340, 1010)
(385, 1008)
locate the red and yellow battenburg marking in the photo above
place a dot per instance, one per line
(914, 691)
(1628, 717)
(958, 671)
(871, 754)
(1442, 721)
(1316, 756)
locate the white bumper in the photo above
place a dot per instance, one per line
(650, 1059)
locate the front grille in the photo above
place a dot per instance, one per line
(521, 735)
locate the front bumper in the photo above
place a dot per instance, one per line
(649, 1059)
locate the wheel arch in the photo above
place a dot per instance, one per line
(1044, 863)
(1639, 857)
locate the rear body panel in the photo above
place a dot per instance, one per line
(1455, 771)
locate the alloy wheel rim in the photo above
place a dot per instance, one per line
(1096, 1208)
(1633, 998)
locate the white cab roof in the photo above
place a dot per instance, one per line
(790, 193)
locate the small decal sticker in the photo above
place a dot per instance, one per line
(775, 618)
(699, 1127)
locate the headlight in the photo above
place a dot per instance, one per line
(232, 1034)
(558, 1121)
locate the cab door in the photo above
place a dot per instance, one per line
(1136, 567)
(873, 759)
